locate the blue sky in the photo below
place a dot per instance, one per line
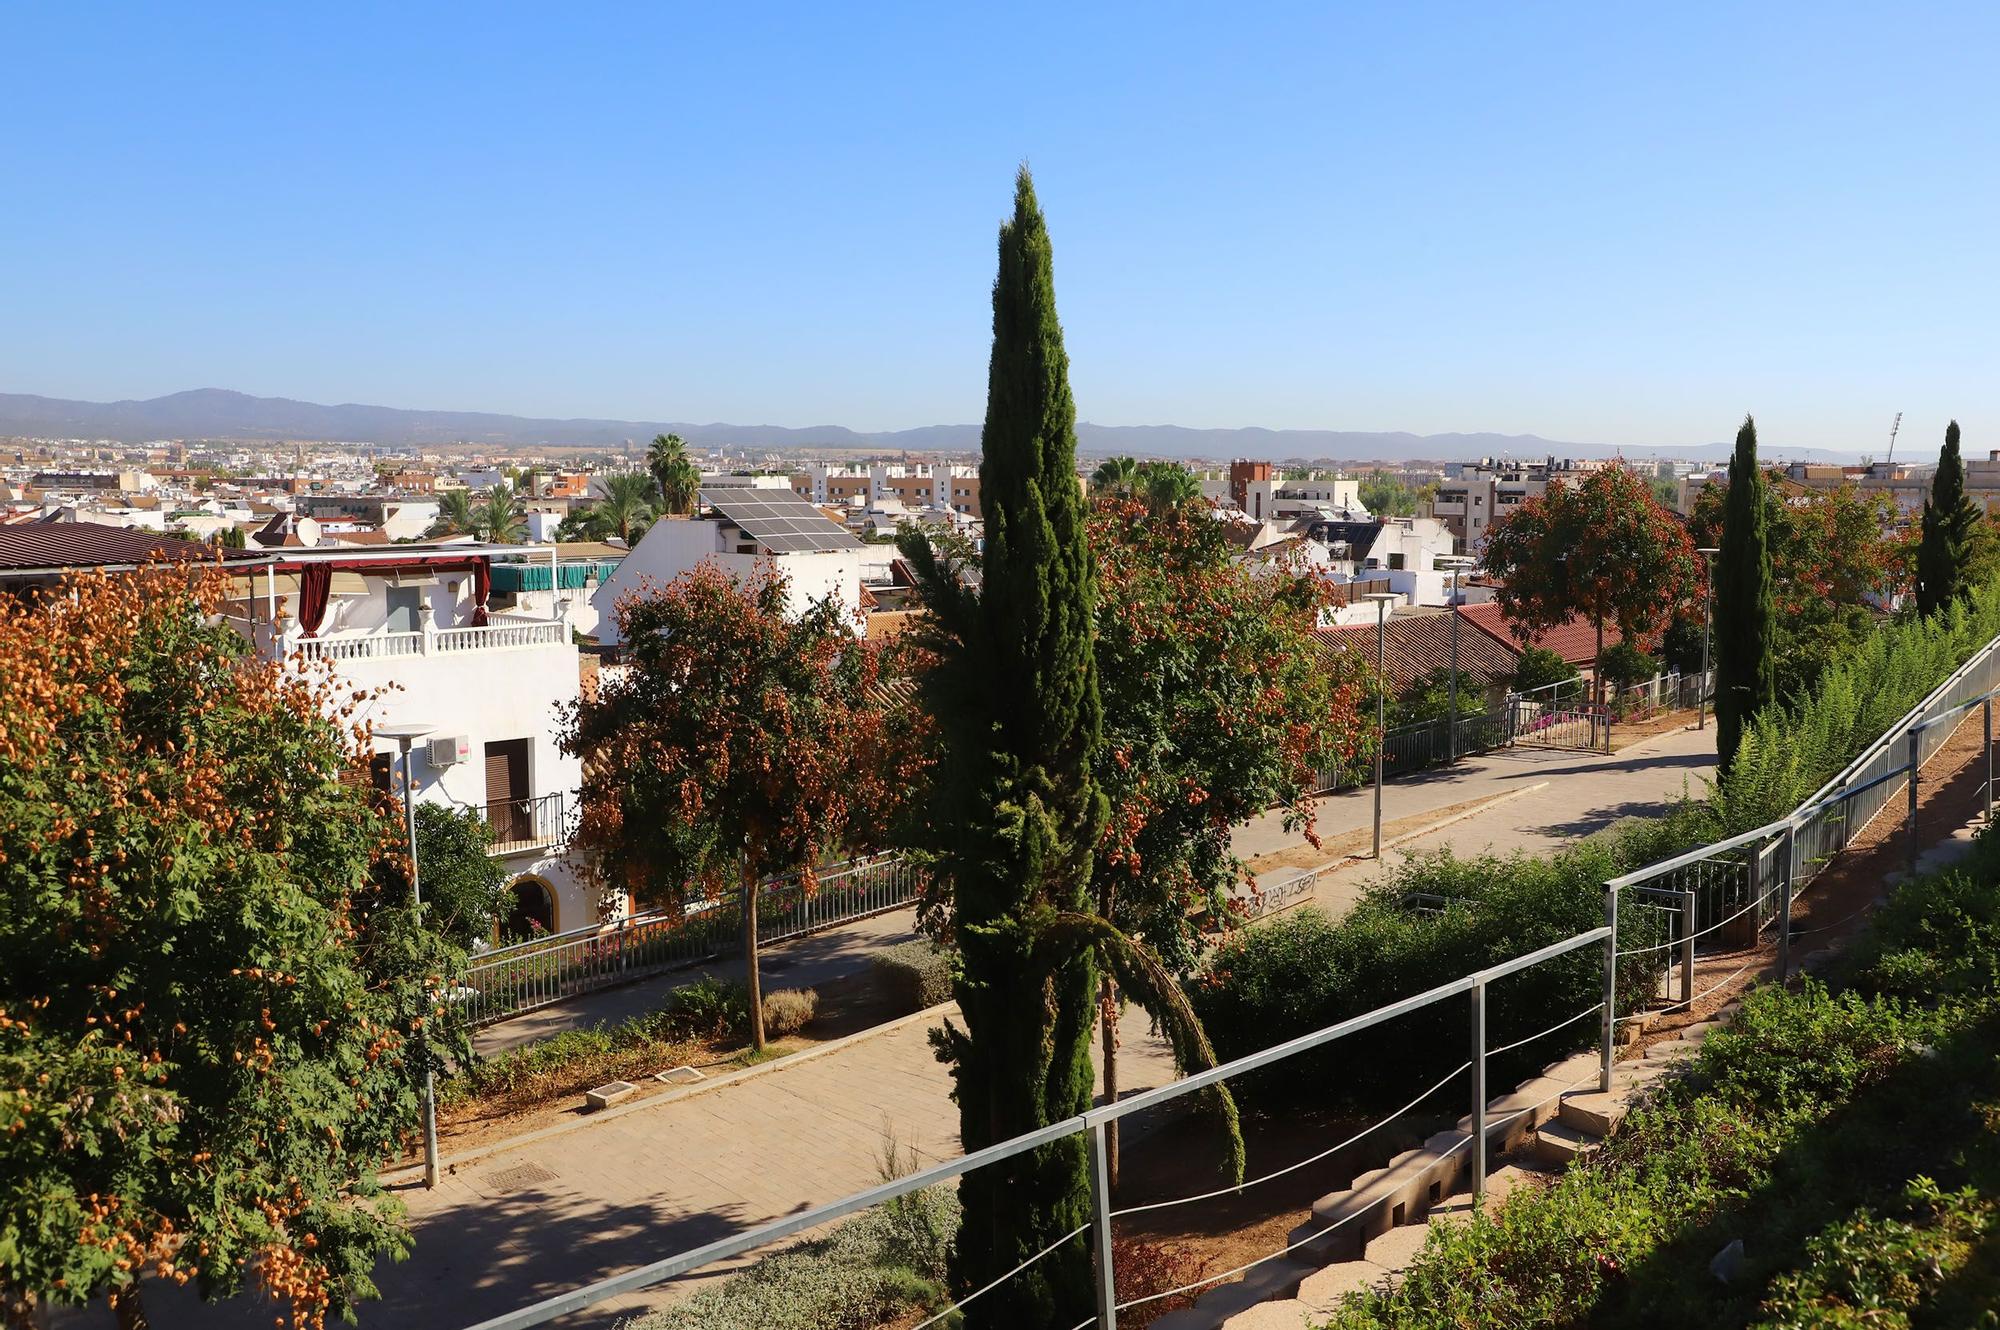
(1612, 223)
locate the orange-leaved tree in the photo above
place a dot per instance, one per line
(1602, 547)
(211, 977)
(743, 740)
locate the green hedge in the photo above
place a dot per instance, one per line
(1304, 971)
(1790, 751)
(914, 975)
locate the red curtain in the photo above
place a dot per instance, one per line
(315, 582)
(482, 586)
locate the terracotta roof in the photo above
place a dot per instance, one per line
(57, 545)
(1417, 645)
(1575, 641)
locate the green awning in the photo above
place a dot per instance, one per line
(513, 577)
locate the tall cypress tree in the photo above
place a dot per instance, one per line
(1949, 521)
(1017, 810)
(1745, 663)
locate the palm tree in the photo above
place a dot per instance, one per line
(1167, 485)
(678, 478)
(627, 508)
(501, 518)
(1116, 477)
(455, 516)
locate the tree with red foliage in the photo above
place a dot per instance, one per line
(1602, 547)
(212, 976)
(743, 740)
(1218, 705)
(1835, 555)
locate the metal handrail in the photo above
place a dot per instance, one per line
(1091, 1121)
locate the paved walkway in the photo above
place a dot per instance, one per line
(1546, 798)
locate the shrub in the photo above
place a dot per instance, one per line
(1298, 973)
(914, 975)
(874, 1268)
(711, 1008)
(1626, 664)
(788, 1011)
(1541, 667)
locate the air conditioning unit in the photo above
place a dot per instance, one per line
(451, 750)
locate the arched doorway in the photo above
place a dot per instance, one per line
(531, 910)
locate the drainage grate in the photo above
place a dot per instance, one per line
(519, 1178)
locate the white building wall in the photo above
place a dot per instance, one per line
(673, 547)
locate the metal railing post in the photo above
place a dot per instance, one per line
(1687, 948)
(1916, 738)
(1786, 861)
(1478, 1092)
(1610, 1025)
(1100, 1200)
(1987, 706)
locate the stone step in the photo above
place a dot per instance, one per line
(1322, 1291)
(1559, 1144)
(1277, 1280)
(1283, 1314)
(1398, 1247)
(1591, 1112)
(1670, 1049)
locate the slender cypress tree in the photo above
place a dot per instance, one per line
(1016, 697)
(1949, 520)
(1745, 663)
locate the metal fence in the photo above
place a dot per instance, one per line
(1672, 691)
(510, 980)
(1655, 920)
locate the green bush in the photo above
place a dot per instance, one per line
(1303, 971)
(913, 975)
(788, 1011)
(1626, 664)
(711, 1008)
(879, 1266)
(1540, 667)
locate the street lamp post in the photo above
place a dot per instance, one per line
(1707, 619)
(1382, 600)
(405, 735)
(1455, 564)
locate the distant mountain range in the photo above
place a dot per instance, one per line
(217, 413)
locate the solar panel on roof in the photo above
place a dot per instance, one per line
(779, 519)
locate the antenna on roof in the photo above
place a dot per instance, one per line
(1892, 437)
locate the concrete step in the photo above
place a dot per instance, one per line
(1273, 1281)
(1673, 1049)
(1321, 1292)
(1591, 1112)
(1399, 1246)
(1559, 1144)
(1283, 1314)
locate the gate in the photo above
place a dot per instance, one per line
(1566, 723)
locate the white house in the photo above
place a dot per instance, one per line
(741, 527)
(411, 624)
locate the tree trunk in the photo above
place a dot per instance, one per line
(1597, 666)
(1108, 1051)
(131, 1309)
(751, 978)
